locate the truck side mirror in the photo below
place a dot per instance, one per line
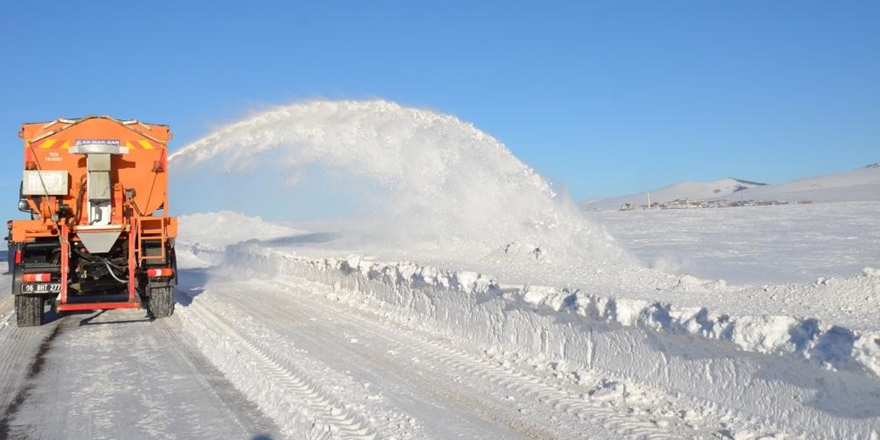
(22, 202)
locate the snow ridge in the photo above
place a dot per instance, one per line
(800, 337)
(631, 338)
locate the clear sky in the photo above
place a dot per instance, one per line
(604, 98)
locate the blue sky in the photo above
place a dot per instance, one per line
(603, 98)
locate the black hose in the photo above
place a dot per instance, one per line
(86, 257)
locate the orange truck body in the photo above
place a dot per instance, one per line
(96, 189)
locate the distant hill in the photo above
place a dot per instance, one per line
(862, 184)
(721, 188)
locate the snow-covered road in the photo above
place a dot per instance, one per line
(326, 369)
(111, 375)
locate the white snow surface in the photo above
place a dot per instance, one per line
(753, 245)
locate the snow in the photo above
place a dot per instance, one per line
(753, 245)
(763, 333)
(688, 350)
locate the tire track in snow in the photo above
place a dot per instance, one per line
(435, 388)
(580, 409)
(19, 348)
(115, 374)
(330, 419)
(555, 400)
(22, 350)
(561, 400)
(245, 413)
(6, 308)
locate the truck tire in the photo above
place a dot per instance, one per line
(29, 310)
(160, 303)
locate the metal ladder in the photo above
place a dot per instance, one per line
(151, 229)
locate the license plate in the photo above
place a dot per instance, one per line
(41, 288)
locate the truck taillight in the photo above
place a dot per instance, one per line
(164, 272)
(18, 256)
(36, 277)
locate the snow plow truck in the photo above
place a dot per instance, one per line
(99, 235)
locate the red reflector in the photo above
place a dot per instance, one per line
(18, 257)
(164, 272)
(36, 278)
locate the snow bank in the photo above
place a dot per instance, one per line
(777, 369)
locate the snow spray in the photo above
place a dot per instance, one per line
(425, 177)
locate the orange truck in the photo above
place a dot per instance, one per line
(99, 235)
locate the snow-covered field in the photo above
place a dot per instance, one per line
(753, 245)
(468, 301)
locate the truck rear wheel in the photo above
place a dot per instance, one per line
(160, 303)
(29, 310)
